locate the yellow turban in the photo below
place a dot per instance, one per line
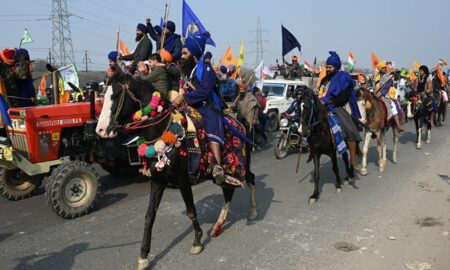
(392, 93)
(381, 64)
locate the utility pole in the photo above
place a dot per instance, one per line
(49, 57)
(86, 60)
(61, 38)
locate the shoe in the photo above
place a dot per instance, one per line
(218, 175)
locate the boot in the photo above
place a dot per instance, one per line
(397, 123)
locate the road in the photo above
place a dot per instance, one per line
(380, 215)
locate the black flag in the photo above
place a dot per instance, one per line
(289, 42)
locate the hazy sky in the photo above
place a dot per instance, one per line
(398, 30)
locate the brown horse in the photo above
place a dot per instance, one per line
(374, 114)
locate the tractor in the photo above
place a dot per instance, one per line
(59, 142)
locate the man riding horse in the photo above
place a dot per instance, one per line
(201, 95)
(339, 87)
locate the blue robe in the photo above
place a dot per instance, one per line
(201, 98)
(340, 82)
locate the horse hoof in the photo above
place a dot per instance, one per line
(381, 168)
(394, 160)
(419, 146)
(363, 172)
(428, 141)
(312, 200)
(142, 264)
(195, 250)
(217, 230)
(252, 215)
(338, 190)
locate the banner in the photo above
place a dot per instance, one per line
(69, 74)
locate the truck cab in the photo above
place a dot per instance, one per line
(278, 92)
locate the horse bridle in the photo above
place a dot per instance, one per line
(311, 115)
(125, 91)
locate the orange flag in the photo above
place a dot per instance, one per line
(229, 58)
(375, 61)
(361, 78)
(42, 86)
(416, 65)
(412, 75)
(322, 74)
(123, 48)
(441, 76)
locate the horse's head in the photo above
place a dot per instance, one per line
(124, 96)
(308, 105)
(365, 103)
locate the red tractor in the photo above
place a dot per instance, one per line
(59, 142)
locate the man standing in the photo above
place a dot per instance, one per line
(384, 81)
(339, 87)
(294, 70)
(143, 49)
(247, 107)
(172, 41)
(201, 80)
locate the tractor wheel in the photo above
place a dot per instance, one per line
(72, 189)
(17, 185)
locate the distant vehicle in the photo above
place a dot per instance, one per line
(279, 92)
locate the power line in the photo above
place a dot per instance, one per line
(61, 38)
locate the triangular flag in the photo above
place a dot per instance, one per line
(416, 65)
(241, 58)
(412, 75)
(351, 61)
(375, 61)
(229, 58)
(322, 74)
(42, 86)
(288, 41)
(123, 48)
(441, 76)
(26, 38)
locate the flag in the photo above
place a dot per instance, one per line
(375, 61)
(123, 48)
(361, 78)
(69, 74)
(289, 42)
(267, 71)
(192, 25)
(441, 76)
(412, 75)
(26, 38)
(229, 58)
(4, 111)
(351, 61)
(416, 65)
(322, 75)
(240, 61)
(259, 74)
(42, 86)
(308, 66)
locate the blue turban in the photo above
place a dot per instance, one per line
(157, 29)
(208, 55)
(196, 44)
(334, 60)
(141, 27)
(171, 26)
(232, 67)
(112, 56)
(223, 69)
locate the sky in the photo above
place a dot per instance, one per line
(402, 31)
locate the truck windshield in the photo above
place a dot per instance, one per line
(274, 89)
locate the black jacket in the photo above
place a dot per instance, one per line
(177, 46)
(142, 52)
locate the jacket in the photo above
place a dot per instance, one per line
(143, 51)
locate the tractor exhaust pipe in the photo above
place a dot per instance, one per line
(91, 125)
(55, 83)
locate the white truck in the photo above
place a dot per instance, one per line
(278, 92)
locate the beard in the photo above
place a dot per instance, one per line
(187, 65)
(139, 36)
(331, 73)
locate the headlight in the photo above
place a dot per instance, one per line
(284, 122)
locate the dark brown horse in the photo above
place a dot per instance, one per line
(420, 109)
(314, 125)
(126, 95)
(374, 113)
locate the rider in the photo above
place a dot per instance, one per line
(425, 88)
(295, 106)
(339, 87)
(384, 89)
(172, 41)
(201, 95)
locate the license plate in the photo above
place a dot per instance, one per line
(6, 152)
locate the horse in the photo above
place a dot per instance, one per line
(442, 107)
(419, 108)
(315, 126)
(125, 96)
(374, 113)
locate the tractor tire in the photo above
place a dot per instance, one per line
(274, 122)
(72, 189)
(17, 185)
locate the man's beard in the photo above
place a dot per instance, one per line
(139, 36)
(242, 95)
(187, 65)
(330, 74)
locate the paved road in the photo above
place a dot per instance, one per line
(289, 233)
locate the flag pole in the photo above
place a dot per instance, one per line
(117, 42)
(163, 35)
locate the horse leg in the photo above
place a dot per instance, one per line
(384, 149)
(315, 196)
(228, 196)
(428, 141)
(157, 187)
(350, 171)
(418, 121)
(250, 179)
(365, 153)
(191, 212)
(336, 172)
(395, 140)
(380, 138)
